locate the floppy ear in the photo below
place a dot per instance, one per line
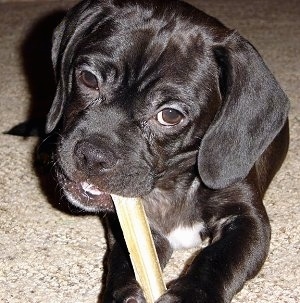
(253, 111)
(57, 104)
(62, 43)
(65, 40)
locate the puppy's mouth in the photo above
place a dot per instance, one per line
(86, 195)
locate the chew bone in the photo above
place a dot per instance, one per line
(140, 245)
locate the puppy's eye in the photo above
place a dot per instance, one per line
(89, 79)
(169, 117)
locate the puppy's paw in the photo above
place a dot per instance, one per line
(169, 298)
(184, 290)
(188, 297)
(127, 294)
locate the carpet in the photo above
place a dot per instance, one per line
(49, 254)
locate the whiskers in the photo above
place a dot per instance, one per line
(45, 159)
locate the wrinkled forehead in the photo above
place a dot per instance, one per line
(167, 48)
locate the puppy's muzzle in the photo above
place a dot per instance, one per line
(93, 158)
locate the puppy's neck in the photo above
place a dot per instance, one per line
(168, 209)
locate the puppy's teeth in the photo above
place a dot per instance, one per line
(90, 188)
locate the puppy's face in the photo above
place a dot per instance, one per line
(144, 89)
(134, 111)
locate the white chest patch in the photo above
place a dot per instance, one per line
(184, 237)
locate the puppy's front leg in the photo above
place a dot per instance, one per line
(239, 247)
(121, 285)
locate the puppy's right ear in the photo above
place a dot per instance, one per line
(56, 109)
(77, 25)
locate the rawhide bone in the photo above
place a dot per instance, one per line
(138, 238)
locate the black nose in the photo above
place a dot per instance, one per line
(94, 157)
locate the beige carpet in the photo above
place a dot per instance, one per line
(47, 255)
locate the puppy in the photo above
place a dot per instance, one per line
(156, 99)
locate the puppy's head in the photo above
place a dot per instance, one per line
(154, 96)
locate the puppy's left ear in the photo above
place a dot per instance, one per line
(254, 110)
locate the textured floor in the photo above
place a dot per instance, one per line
(47, 255)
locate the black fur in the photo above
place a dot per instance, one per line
(120, 65)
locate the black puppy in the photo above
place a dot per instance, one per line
(158, 100)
